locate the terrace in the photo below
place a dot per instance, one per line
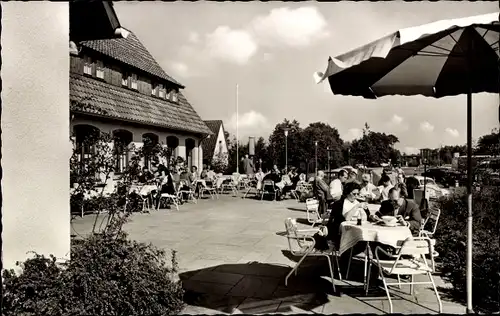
(233, 259)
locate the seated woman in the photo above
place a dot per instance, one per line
(347, 208)
(167, 185)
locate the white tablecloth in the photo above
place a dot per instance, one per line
(143, 190)
(351, 234)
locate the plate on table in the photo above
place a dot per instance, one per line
(390, 224)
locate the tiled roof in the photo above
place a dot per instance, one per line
(131, 52)
(210, 143)
(120, 103)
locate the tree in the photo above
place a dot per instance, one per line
(231, 149)
(327, 137)
(374, 148)
(262, 152)
(297, 152)
(489, 144)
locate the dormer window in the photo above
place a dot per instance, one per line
(99, 72)
(133, 81)
(172, 95)
(87, 65)
(125, 79)
(161, 91)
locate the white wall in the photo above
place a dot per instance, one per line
(220, 137)
(35, 124)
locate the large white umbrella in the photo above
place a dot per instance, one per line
(444, 58)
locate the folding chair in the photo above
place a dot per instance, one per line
(301, 243)
(204, 187)
(188, 190)
(416, 249)
(298, 189)
(174, 198)
(232, 184)
(269, 188)
(432, 219)
(253, 185)
(313, 215)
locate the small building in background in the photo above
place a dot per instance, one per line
(215, 147)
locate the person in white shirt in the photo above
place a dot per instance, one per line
(385, 187)
(367, 188)
(336, 186)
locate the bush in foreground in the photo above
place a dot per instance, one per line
(107, 275)
(451, 243)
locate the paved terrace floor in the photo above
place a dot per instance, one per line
(232, 259)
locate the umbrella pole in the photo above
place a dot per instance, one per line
(469, 203)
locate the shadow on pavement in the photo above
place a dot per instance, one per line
(255, 288)
(296, 209)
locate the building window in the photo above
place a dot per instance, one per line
(172, 95)
(161, 91)
(99, 72)
(87, 65)
(122, 139)
(154, 89)
(125, 79)
(133, 81)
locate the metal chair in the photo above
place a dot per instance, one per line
(204, 187)
(268, 188)
(301, 243)
(313, 215)
(432, 219)
(188, 190)
(416, 249)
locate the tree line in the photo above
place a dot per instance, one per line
(371, 149)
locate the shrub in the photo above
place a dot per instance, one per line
(107, 275)
(451, 243)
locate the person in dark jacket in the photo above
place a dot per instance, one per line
(398, 205)
(321, 192)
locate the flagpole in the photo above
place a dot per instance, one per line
(237, 135)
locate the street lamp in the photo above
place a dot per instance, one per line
(316, 157)
(328, 150)
(286, 129)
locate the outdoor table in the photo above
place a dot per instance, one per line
(88, 195)
(351, 234)
(143, 190)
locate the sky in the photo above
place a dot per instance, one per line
(271, 51)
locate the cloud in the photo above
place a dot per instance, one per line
(236, 46)
(426, 127)
(282, 26)
(411, 150)
(292, 27)
(396, 119)
(397, 122)
(193, 37)
(354, 133)
(251, 123)
(180, 69)
(452, 132)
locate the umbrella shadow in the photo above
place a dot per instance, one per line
(255, 287)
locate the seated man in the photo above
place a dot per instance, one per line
(367, 188)
(398, 205)
(321, 192)
(336, 185)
